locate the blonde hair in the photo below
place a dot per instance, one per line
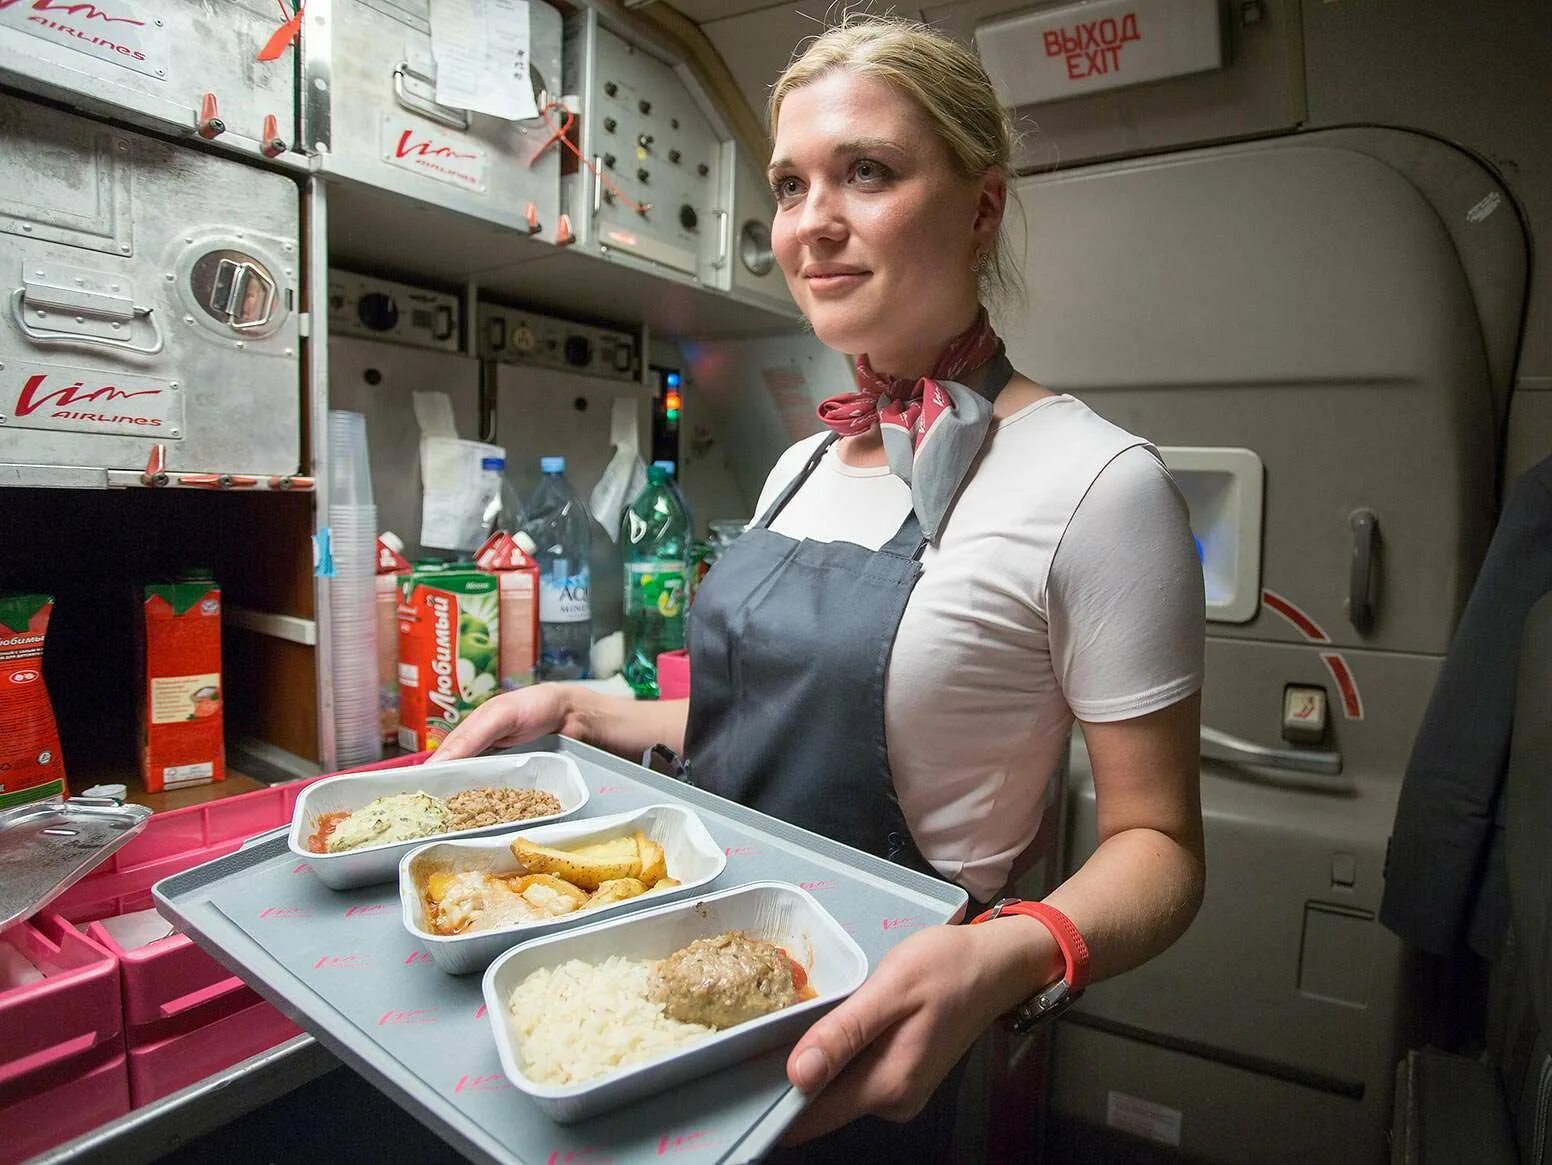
(947, 82)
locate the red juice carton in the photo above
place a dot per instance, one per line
(449, 650)
(517, 582)
(31, 767)
(181, 726)
(390, 565)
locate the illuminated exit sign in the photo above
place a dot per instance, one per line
(1078, 49)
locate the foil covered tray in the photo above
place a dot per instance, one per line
(48, 846)
(342, 965)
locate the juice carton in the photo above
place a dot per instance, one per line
(30, 765)
(390, 564)
(179, 641)
(517, 581)
(449, 650)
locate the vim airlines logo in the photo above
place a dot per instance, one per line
(64, 401)
(79, 11)
(409, 147)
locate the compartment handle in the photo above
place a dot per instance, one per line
(195, 998)
(452, 118)
(51, 336)
(16, 1069)
(1360, 608)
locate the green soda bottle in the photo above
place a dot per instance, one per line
(655, 543)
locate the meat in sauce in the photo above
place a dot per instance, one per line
(724, 980)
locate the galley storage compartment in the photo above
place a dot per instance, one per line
(150, 300)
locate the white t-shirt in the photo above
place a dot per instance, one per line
(1066, 580)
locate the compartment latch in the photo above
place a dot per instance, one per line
(72, 305)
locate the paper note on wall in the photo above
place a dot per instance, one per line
(460, 480)
(789, 393)
(482, 56)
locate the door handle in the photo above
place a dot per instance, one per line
(37, 335)
(1360, 576)
(1221, 746)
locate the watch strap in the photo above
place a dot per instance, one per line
(1060, 995)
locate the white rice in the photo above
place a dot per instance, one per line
(580, 1020)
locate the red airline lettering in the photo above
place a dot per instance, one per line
(425, 149)
(33, 397)
(81, 11)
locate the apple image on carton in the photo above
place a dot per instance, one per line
(475, 643)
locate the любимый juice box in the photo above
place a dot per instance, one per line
(181, 722)
(30, 765)
(449, 651)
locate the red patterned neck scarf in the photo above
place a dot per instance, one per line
(910, 407)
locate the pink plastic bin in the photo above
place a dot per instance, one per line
(62, 1065)
(184, 1015)
(673, 675)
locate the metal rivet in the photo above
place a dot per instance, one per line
(286, 247)
(115, 325)
(114, 286)
(161, 72)
(188, 238)
(27, 227)
(80, 319)
(123, 146)
(2, 420)
(42, 315)
(173, 385)
(240, 344)
(124, 247)
(82, 283)
(287, 352)
(320, 84)
(158, 24)
(188, 319)
(176, 433)
(170, 277)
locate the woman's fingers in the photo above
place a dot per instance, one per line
(502, 720)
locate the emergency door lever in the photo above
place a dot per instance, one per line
(425, 106)
(1221, 746)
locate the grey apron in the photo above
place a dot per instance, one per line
(789, 643)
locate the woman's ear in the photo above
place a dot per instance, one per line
(991, 202)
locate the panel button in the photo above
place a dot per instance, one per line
(1304, 714)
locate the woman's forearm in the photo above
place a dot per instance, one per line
(624, 726)
(1135, 895)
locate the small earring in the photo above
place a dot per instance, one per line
(978, 263)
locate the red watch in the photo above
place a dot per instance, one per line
(1050, 1002)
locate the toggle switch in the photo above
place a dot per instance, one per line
(1304, 714)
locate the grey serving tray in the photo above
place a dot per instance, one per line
(341, 965)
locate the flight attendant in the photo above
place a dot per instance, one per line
(935, 587)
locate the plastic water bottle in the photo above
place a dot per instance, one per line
(655, 543)
(503, 510)
(561, 530)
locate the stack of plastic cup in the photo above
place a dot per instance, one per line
(352, 593)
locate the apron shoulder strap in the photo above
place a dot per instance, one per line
(792, 487)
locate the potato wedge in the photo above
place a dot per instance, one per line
(665, 883)
(653, 865)
(587, 868)
(549, 894)
(617, 890)
(438, 884)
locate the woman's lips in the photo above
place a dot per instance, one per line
(834, 282)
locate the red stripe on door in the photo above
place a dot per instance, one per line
(1306, 626)
(1352, 702)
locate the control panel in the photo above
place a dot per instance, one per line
(663, 194)
(511, 336)
(360, 305)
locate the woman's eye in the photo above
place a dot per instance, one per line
(784, 188)
(867, 170)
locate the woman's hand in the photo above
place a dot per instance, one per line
(511, 718)
(884, 1051)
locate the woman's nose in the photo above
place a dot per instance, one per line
(821, 219)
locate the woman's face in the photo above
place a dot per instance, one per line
(875, 231)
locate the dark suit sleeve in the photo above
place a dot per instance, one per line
(1438, 849)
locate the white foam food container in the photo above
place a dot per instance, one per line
(775, 911)
(371, 864)
(688, 851)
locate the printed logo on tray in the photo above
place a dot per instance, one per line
(431, 155)
(367, 911)
(417, 957)
(402, 1018)
(609, 790)
(480, 1012)
(285, 913)
(342, 963)
(587, 1156)
(301, 868)
(740, 851)
(903, 924)
(688, 1142)
(110, 30)
(813, 887)
(495, 1082)
(50, 396)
